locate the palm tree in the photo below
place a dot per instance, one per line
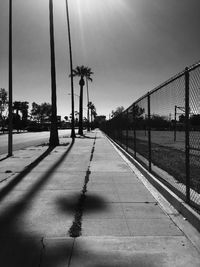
(93, 112)
(54, 140)
(73, 135)
(81, 72)
(88, 78)
(92, 108)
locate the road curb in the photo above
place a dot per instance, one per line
(191, 215)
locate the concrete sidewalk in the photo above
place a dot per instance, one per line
(81, 204)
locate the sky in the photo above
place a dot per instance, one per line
(132, 46)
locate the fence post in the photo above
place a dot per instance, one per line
(187, 134)
(175, 111)
(134, 131)
(126, 130)
(121, 130)
(149, 129)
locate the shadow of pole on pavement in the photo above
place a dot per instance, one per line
(5, 190)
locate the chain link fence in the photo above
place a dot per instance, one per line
(161, 130)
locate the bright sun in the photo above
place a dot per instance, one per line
(95, 6)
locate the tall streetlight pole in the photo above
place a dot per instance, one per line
(54, 140)
(73, 135)
(10, 115)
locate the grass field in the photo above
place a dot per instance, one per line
(166, 138)
(169, 155)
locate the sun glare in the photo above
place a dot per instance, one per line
(98, 17)
(96, 6)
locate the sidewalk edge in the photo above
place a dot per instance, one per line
(182, 207)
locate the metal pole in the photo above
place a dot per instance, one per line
(126, 130)
(187, 135)
(73, 135)
(149, 131)
(54, 139)
(134, 131)
(175, 108)
(121, 127)
(10, 114)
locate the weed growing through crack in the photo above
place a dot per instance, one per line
(75, 229)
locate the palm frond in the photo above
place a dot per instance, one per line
(82, 71)
(89, 79)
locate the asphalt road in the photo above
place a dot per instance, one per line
(23, 140)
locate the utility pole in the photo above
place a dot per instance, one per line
(73, 135)
(10, 114)
(54, 140)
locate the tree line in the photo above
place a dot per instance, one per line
(38, 117)
(137, 118)
(22, 115)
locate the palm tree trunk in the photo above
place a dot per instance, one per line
(73, 135)
(88, 113)
(80, 129)
(10, 114)
(54, 140)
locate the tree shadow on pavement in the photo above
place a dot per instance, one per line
(19, 248)
(28, 251)
(93, 204)
(134, 260)
(113, 251)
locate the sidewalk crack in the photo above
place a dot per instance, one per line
(70, 257)
(76, 228)
(42, 252)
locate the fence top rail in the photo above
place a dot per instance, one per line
(194, 66)
(172, 79)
